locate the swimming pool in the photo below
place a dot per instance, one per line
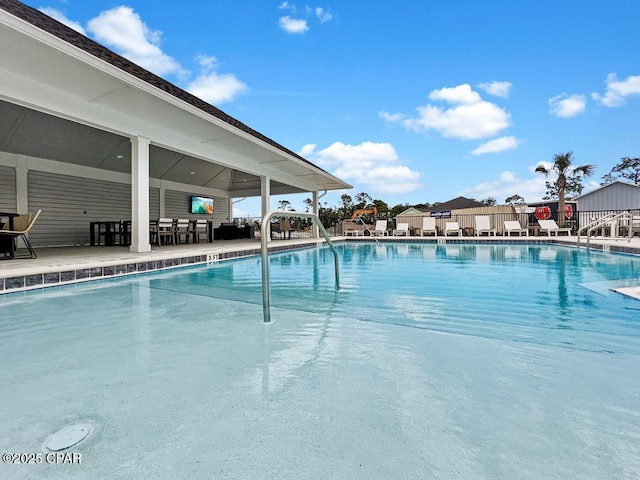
(432, 361)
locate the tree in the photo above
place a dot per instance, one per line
(396, 209)
(569, 179)
(363, 199)
(488, 202)
(514, 200)
(308, 204)
(422, 206)
(628, 168)
(347, 206)
(284, 205)
(383, 208)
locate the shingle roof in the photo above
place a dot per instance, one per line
(457, 203)
(52, 26)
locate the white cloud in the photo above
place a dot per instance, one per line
(216, 88)
(213, 87)
(376, 166)
(61, 17)
(124, 30)
(479, 120)
(300, 24)
(323, 15)
(507, 184)
(307, 150)
(498, 89)
(567, 106)
(293, 25)
(469, 118)
(462, 94)
(618, 90)
(391, 117)
(497, 145)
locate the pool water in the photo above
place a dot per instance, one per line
(431, 361)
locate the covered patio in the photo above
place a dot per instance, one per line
(88, 136)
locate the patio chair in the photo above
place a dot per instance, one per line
(183, 228)
(635, 225)
(429, 225)
(22, 224)
(200, 227)
(511, 226)
(483, 225)
(164, 229)
(452, 227)
(401, 229)
(381, 228)
(285, 228)
(551, 227)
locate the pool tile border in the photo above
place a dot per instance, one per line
(69, 276)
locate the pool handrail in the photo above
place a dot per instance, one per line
(608, 219)
(264, 236)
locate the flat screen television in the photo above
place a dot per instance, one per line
(204, 205)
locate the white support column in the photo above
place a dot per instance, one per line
(22, 187)
(231, 209)
(163, 196)
(265, 189)
(140, 195)
(316, 209)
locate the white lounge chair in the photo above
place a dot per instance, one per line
(381, 228)
(551, 227)
(401, 229)
(452, 227)
(514, 226)
(429, 225)
(483, 225)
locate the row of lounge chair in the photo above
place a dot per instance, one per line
(483, 226)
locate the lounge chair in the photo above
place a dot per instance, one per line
(22, 224)
(401, 229)
(483, 225)
(551, 227)
(429, 225)
(511, 226)
(381, 228)
(452, 227)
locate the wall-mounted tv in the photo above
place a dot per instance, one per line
(204, 205)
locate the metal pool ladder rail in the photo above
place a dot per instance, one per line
(611, 220)
(264, 234)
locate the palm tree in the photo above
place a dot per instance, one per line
(562, 168)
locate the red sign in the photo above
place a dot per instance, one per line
(568, 211)
(543, 213)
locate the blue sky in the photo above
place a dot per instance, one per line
(410, 101)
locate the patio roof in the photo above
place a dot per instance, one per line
(65, 97)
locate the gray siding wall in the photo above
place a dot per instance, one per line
(614, 197)
(7, 189)
(69, 203)
(178, 205)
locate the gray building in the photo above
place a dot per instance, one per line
(613, 196)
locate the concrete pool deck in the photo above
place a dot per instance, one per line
(65, 265)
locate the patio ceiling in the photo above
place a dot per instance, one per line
(35, 134)
(63, 97)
